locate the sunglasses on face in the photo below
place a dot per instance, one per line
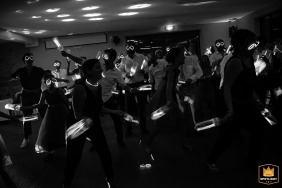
(253, 45)
(105, 56)
(129, 47)
(28, 58)
(57, 64)
(218, 44)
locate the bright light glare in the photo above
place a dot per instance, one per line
(199, 3)
(169, 27)
(128, 13)
(36, 17)
(92, 15)
(139, 6)
(90, 8)
(53, 10)
(93, 19)
(63, 15)
(19, 11)
(46, 20)
(68, 20)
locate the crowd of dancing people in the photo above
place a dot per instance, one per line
(231, 86)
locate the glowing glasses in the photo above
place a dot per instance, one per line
(129, 47)
(167, 49)
(28, 58)
(57, 64)
(79, 128)
(105, 56)
(143, 166)
(58, 44)
(146, 87)
(121, 56)
(218, 44)
(129, 118)
(50, 81)
(204, 125)
(159, 112)
(15, 107)
(29, 118)
(253, 45)
(269, 117)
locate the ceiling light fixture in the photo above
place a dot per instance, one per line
(94, 19)
(169, 27)
(12, 38)
(70, 33)
(90, 8)
(47, 20)
(199, 3)
(53, 10)
(80, 0)
(68, 20)
(26, 32)
(35, 17)
(63, 15)
(139, 6)
(19, 11)
(128, 13)
(92, 15)
(31, 2)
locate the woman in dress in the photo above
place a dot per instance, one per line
(51, 134)
(166, 93)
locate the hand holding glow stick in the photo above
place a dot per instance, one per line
(269, 117)
(15, 107)
(157, 114)
(204, 125)
(58, 44)
(79, 128)
(129, 118)
(146, 87)
(29, 118)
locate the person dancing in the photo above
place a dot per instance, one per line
(87, 103)
(30, 77)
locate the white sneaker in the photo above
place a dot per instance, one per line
(24, 144)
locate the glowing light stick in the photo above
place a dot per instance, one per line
(116, 92)
(269, 117)
(207, 124)
(103, 75)
(15, 107)
(145, 166)
(228, 49)
(143, 64)
(58, 44)
(181, 82)
(160, 112)
(146, 87)
(208, 51)
(253, 45)
(29, 118)
(76, 77)
(152, 157)
(259, 65)
(129, 118)
(132, 71)
(78, 128)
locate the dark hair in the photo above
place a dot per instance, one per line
(48, 76)
(88, 65)
(47, 72)
(242, 38)
(112, 53)
(172, 54)
(26, 54)
(205, 65)
(218, 40)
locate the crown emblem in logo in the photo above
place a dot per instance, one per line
(268, 172)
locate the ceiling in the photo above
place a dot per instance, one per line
(16, 15)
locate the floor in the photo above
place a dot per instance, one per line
(173, 165)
